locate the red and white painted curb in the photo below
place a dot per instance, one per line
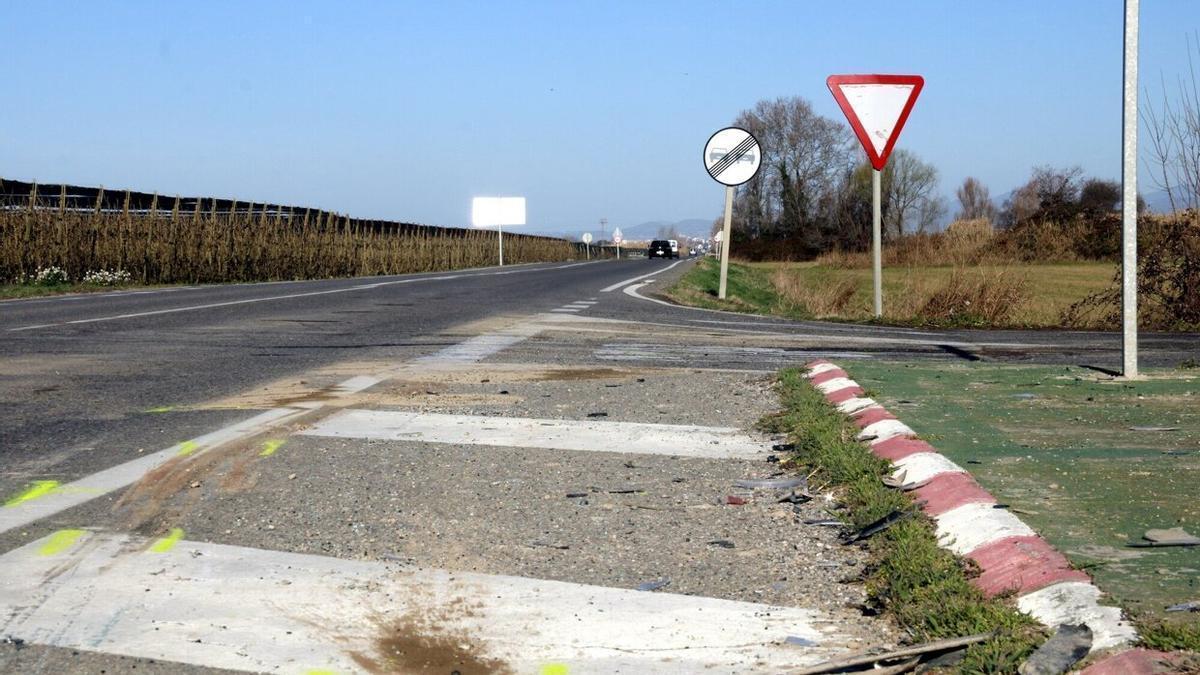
(1011, 556)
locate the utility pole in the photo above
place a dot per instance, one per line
(1129, 122)
(603, 224)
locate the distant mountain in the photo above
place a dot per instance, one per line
(691, 227)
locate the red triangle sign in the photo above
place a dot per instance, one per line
(877, 107)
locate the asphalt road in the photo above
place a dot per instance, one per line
(282, 419)
(77, 373)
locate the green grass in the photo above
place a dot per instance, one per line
(1062, 445)
(748, 289)
(16, 291)
(925, 588)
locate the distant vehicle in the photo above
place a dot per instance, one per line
(674, 248)
(660, 248)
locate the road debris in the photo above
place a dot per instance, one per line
(772, 484)
(825, 522)
(795, 497)
(1065, 648)
(1154, 428)
(734, 500)
(653, 585)
(799, 641)
(878, 526)
(723, 543)
(597, 414)
(868, 662)
(1174, 536)
(1193, 606)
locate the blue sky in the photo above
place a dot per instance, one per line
(589, 109)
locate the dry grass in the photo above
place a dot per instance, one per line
(964, 242)
(197, 246)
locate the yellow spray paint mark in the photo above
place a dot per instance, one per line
(60, 541)
(554, 669)
(38, 488)
(168, 542)
(187, 447)
(161, 409)
(270, 447)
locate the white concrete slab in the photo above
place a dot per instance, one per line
(965, 528)
(625, 437)
(249, 609)
(1076, 602)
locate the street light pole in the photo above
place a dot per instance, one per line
(1129, 120)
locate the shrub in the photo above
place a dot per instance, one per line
(107, 277)
(52, 275)
(1168, 276)
(981, 297)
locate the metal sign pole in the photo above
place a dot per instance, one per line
(587, 249)
(876, 237)
(1129, 121)
(500, 234)
(725, 240)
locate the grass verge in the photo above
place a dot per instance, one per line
(925, 588)
(987, 296)
(748, 289)
(17, 291)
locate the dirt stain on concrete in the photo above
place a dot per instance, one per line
(427, 643)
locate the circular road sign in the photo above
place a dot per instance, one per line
(732, 156)
(617, 236)
(587, 237)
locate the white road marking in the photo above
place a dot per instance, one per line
(122, 475)
(249, 609)
(247, 301)
(965, 528)
(625, 437)
(1074, 602)
(609, 289)
(564, 309)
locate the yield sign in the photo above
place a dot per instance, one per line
(877, 107)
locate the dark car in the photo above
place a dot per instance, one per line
(659, 248)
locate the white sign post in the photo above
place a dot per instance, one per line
(617, 239)
(877, 107)
(1129, 123)
(731, 157)
(498, 212)
(587, 244)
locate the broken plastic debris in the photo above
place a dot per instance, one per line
(1193, 606)
(723, 543)
(878, 526)
(597, 414)
(734, 500)
(653, 585)
(1154, 428)
(825, 522)
(799, 641)
(1025, 395)
(769, 484)
(1065, 648)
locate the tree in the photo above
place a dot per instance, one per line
(1050, 194)
(905, 188)
(802, 153)
(1174, 132)
(974, 201)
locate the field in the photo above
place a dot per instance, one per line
(1016, 295)
(146, 240)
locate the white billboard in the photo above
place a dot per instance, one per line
(497, 211)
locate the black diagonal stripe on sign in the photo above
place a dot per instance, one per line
(732, 156)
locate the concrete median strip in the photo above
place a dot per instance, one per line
(624, 437)
(1011, 556)
(250, 609)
